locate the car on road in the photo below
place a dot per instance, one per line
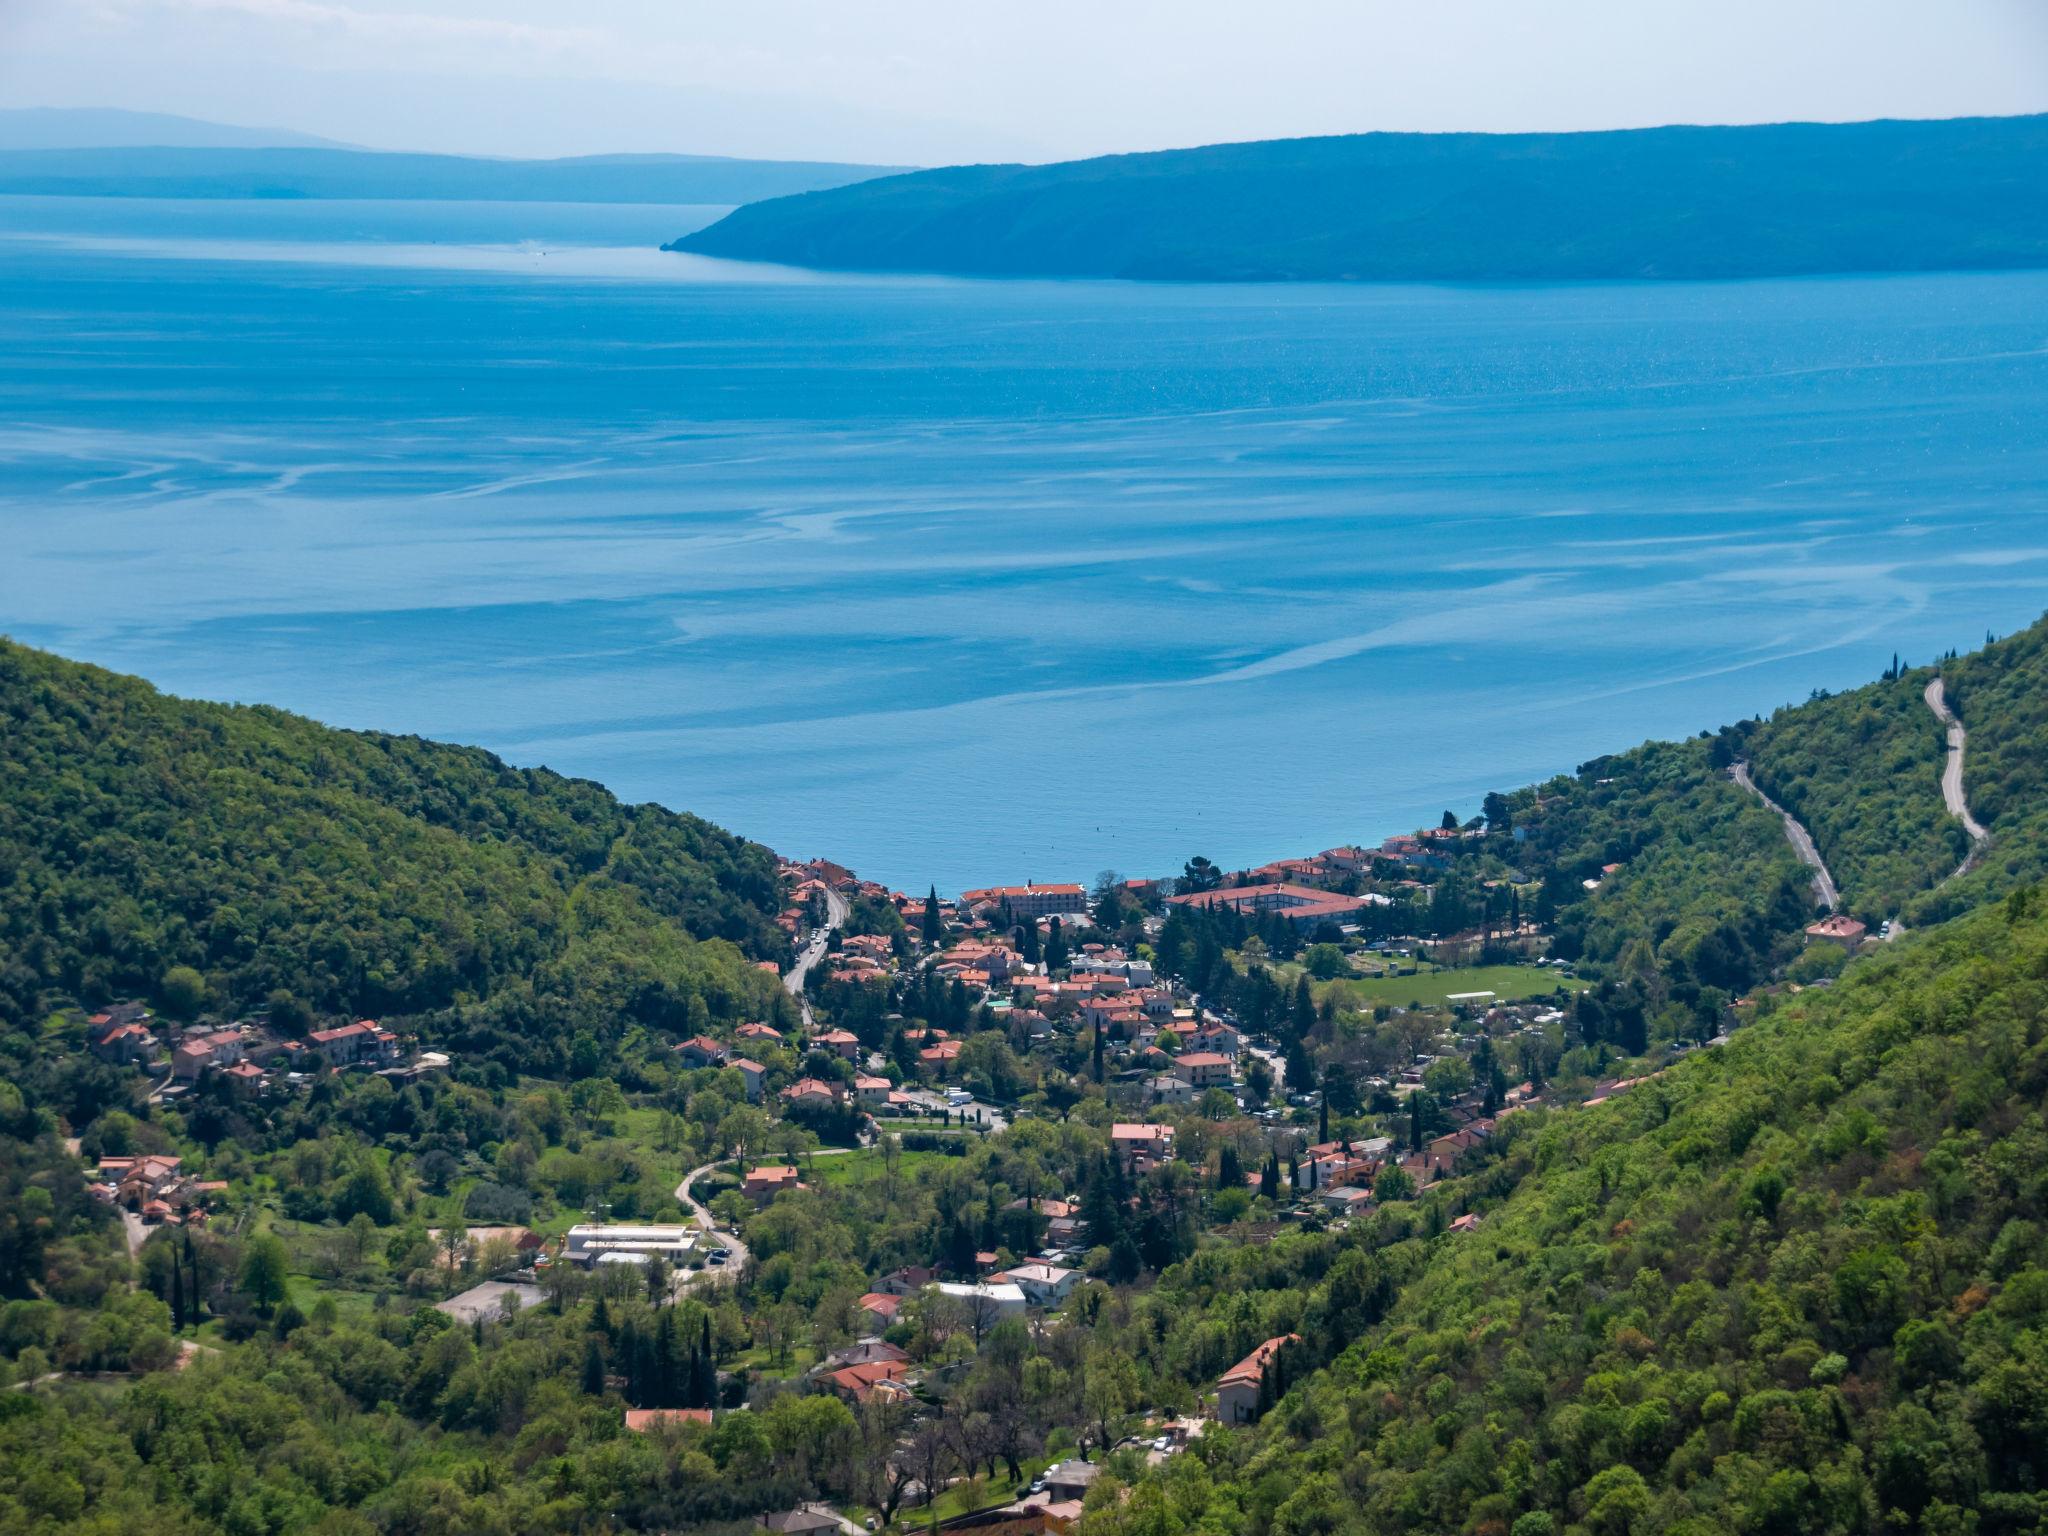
(716, 1260)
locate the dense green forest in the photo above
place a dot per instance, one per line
(1797, 1284)
(351, 872)
(1689, 202)
(1862, 770)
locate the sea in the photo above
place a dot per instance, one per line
(961, 582)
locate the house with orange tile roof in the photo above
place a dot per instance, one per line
(769, 1180)
(1237, 1390)
(1140, 1147)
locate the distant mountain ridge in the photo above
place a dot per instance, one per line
(1680, 202)
(115, 127)
(179, 172)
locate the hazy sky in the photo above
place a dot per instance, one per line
(933, 81)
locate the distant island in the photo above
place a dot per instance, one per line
(1657, 203)
(297, 172)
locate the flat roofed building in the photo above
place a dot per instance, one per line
(588, 1245)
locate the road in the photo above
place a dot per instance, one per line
(1801, 839)
(1952, 774)
(813, 952)
(701, 1214)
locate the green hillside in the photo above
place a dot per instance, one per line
(1659, 203)
(357, 872)
(1797, 1284)
(1863, 770)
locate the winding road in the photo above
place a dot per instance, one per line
(1801, 839)
(701, 1214)
(813, 952)
(1952, 776)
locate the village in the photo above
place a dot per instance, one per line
(1372, 1064)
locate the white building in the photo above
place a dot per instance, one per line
(589, 1245)
(992, 1301)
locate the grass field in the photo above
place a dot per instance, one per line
(1507, 982)
(859, 1167)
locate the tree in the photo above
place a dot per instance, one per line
(1450, 821)
(1109, 1392)
(182, 992)
(929, 1455)
(266, 1272)
(593, 1367)
(1392, 1182)
(1055, 947)
(934, 928)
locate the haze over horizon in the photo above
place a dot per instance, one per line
(798, 79)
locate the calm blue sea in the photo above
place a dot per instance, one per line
(966, 581)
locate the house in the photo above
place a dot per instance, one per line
(768, 1181)
(1043, 1285)
(196, 1053)
(1466, 1223)
(988, 1300)
(1141, 1147)
(1204, 1069)
(880, 1308)
(244, 1074)
(907, 1281)
(702, 1051)
(1070, 1480)
(755, 1030)
(865, 1352)
(1301, 905)
(1237, 1390)
(1217, 1036)
(1837, 928)
(353, 1044)
(872, 1090)
(813, 1093)
(940, 1055)
(753, 1074)
(1345, 1198)
(1030, 900)
(857, 1383)
(1168, 1089)
(841, 1043)
(139, 1180)
(123, 1042)
(642, 1420)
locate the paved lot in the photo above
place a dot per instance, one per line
(485, 1300)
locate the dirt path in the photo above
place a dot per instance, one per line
(1952, 776)
(1802, 841)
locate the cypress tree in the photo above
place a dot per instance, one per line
(177, 1295)
(593, 1367)
(1098, 1053)
(934, 930)
(1323, 1120)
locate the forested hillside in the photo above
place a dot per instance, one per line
(1863, 770)
(1690, 872)
(1798, 1284)
(1681, 202)
(354, 872)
